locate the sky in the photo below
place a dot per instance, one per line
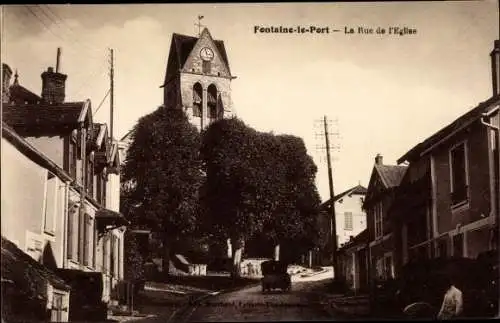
(383, 93)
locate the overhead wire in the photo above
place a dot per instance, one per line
(100, 104)
(74, 40)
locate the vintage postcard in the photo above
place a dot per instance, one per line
(250, 161)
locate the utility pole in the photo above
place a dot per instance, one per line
(111, 93)
(333, 226)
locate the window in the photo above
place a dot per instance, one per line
(348, 221)
(378, 218)
(207, 67)
(212, 102)
(73, 231)
(72, 157)
(89, 176)
(388, 267)
(105, 254)
(458, 245)
(213, 112)
(50, 205)
(112, 256)
(197, 100)
(379, 268)
(101, 188)
(58, 307)
(459, 180)
(88, 238)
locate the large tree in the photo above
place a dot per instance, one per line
(164, 172)
(229, 195)
(257, 184)
(296, 198)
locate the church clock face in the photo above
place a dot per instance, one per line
(206, 54)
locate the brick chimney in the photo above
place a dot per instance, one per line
(53, 86)
(54, 83)
(6, 76)
(379, 160)
(495, 67)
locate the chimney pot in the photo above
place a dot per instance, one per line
(495, 67)
(379, 160)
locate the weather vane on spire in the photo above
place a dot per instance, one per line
(199, 24)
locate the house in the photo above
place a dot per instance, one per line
(462, 161)
(91, 237)
(384, 182)
(448, 202)
(411, 215)
(34, 191)
(350, 219)
(353, 258)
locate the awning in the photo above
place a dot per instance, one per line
(107, 218)
(25, 274)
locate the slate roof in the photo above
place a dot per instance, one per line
(98, 133)
(19, 93)
(184, 45)
(354, 190)
(461, 122)
(43, 114)
(391, 175)
(361, 238)
(28, 275)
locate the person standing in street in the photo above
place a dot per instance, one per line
(452, 306)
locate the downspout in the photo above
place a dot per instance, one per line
(65, 223)
(81, 220)
(497, 129)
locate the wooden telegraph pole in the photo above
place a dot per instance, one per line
(333, 226)
(111, 93)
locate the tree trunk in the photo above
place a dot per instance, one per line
(166, 257)
(229, 249)
(277, 252)
(238, 245)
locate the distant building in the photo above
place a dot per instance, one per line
(350, 219)
(198, 78)
(384, 182)
(353, 257)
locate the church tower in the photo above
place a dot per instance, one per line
(198, 79)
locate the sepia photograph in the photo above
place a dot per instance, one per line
(250, 162)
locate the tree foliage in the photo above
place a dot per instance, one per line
(134, 261)
(164, 167)
(258, 184)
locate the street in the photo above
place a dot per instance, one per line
(250, 304)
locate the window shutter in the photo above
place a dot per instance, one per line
(70, 236)
(86, 240)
